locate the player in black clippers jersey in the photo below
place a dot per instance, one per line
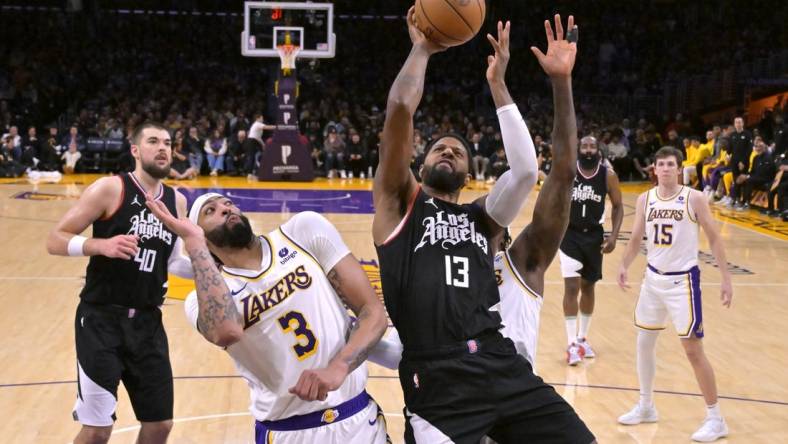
(461, 379)
(119, 333)
(584, 243)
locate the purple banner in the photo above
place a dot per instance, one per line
(277, 201)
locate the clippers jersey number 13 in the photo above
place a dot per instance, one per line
(456, 271)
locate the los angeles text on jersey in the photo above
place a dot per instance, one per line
(450, 229)
(657, 213)
(582, 193)
(147, 226)
(255, 304)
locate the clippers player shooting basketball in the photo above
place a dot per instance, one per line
(520, 266)
(119, 332)
(584, 243)
(669, 215)
(437, 272)
(276, 304)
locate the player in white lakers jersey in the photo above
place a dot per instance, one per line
(669, 215)
(277, 308)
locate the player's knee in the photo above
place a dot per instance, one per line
(94, 435)
(571, 288)
(157, 430)
(587, 288)
(694, 350)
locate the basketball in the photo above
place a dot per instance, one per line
(450, 22)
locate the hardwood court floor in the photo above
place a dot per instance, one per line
(746, 343)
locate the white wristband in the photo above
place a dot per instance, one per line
(75, 245)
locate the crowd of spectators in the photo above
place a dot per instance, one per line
(98, 74)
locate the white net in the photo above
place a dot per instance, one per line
(287, 55)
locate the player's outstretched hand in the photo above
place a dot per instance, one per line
(726, 293)
(314, 385)
(183, 227)
(122, 246)
(418, 38)
(622, 278)
(560, 57)
(497, 63)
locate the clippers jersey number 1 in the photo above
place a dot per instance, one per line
(295, 322)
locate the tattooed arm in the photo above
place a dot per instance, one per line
(322, 240)
(352, 285)
(218, 319)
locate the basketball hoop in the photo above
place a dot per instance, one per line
(287, 55)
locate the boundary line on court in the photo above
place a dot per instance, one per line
(559, 384)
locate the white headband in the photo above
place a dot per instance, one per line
(194, 212)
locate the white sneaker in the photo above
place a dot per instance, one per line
(342, 174)
(638, 415)
(574, 354)
(588, 352)
(362, 176)
(330, 174)
(712, 429)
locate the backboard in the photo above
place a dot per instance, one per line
(310, 26)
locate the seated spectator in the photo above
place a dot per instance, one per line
(759, 177)
(733, 187)
(234, 160)
(480, 161)
(71, 158)
(418, 143)
(640, 155)
(73, 136)
(617, 153)
(47, 154)
(779, 189)
(193, 145)
(357, 154)
(334, 149)
(181, 168)
(544, 159)
(714, 171)
(8, 166)
(318, 156)
(16, 143)
(695, 155)
(215, 149)
(498, 164)
(114, 131)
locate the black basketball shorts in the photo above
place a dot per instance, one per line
(581, 254)
(487, 390)
(118, 344)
